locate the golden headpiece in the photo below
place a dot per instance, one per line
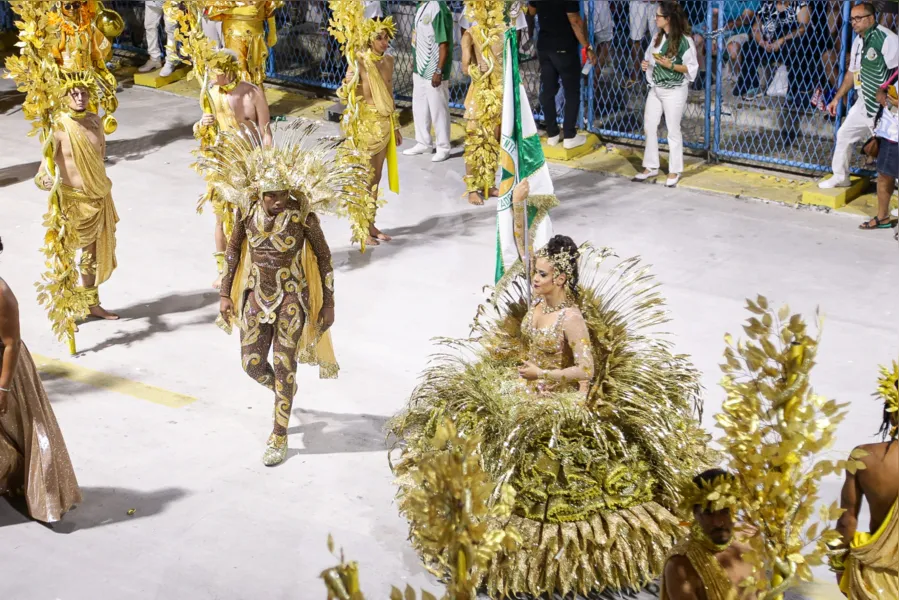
(373, 27)
(563, 261)
(888, 393)
(225, 62)
(68, 81)
(722, 491)
(320, 171)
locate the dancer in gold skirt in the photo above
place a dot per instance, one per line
(243, 31)
(33, 456)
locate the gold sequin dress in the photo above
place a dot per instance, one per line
(33, 455)
(596, 459)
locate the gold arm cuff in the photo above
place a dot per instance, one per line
(91, 295)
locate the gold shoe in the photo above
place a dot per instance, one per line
(275, 450)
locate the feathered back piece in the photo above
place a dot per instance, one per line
(321, 171)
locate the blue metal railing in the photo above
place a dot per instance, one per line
(773, 123)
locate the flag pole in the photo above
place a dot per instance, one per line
(516, 86)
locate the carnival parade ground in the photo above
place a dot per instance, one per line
(166, 432)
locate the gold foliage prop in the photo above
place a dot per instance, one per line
(451, 498)
(481, 145)
(37, 74)
(775, 431)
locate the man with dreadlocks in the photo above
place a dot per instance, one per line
(709, 564)
(279, 282)
(867, 564)
(233, 102)
(84, 189)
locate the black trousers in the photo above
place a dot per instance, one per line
(555, 65)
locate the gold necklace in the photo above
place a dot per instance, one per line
(229, 87)
(548, 310)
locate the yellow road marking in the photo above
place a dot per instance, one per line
(114, 383)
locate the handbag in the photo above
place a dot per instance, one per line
(871, 147)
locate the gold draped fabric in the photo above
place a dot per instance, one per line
(872, 568)
(225, 120)
(33, 454)
(90, 208)
(379, 119)
(715, 582)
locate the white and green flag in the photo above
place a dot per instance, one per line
(521, 157)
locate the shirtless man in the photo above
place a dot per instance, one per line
(235, 103)
(867, 565)
(84, 189)
(693, 570)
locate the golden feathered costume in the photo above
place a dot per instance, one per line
(597, 474)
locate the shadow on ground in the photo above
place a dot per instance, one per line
(101, 506)
(154, 313)
(139, 147)
(336, 433)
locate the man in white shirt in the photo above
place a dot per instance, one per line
(153, 13)
(432, 46)
(875, 53)
(887, 131)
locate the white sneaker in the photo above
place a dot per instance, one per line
(168, 69)
(554, 140)
(441, 156)
(672, 180)
(578, 140)
(150, 65)
(646, 175)
(417, 149)
(833, 182)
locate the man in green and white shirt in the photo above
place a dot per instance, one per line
(874, 55)
(432, 46)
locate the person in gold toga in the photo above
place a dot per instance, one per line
(867, 564)
(709, 564)
(376, 128)
(85, 190)
(233, 102)
(243, 30)
(278, 286)
(33, 454)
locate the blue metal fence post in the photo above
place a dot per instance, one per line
(707, 84)
(846, 34)
(270, 61)
(588, 9)
(719, 89)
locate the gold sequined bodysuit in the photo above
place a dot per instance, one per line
(275, 303)
(563, 347)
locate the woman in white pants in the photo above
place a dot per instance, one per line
(670, 65)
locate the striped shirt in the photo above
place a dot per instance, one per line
(875, 54)
(658, 75)
(433, 26)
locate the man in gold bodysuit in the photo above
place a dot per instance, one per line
(85, 190)
(867, 564)
(278, 287)
(709, 565)
(243, 30)
(376, 129)
(233, 102)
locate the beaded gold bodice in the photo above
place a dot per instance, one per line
(562, 347)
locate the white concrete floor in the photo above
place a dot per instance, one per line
(210, 521)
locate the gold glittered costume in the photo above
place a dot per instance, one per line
(872, 567)
(279, 272)
(33, 454)
(715, 582)
(596, 460)
(243, 31)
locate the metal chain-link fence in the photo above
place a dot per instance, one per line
(758, 98)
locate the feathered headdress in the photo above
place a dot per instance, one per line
(321, 171)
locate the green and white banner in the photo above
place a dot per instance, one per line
(521, 157)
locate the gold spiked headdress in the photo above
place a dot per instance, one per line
(320, 171)
(371, 28)
(69, 81)
(223, 62)
(723, 491)
(888, 393)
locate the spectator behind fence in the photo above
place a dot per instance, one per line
(642, 22)
(561, 29)
(152, 16)
(738, 17)
(603, 28)
(432, 46)
(875, 52)
(670, 65)
(779, 37)
(887, 131)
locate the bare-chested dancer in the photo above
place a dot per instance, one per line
(85, 190)
(867, 564)
(235, 102)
